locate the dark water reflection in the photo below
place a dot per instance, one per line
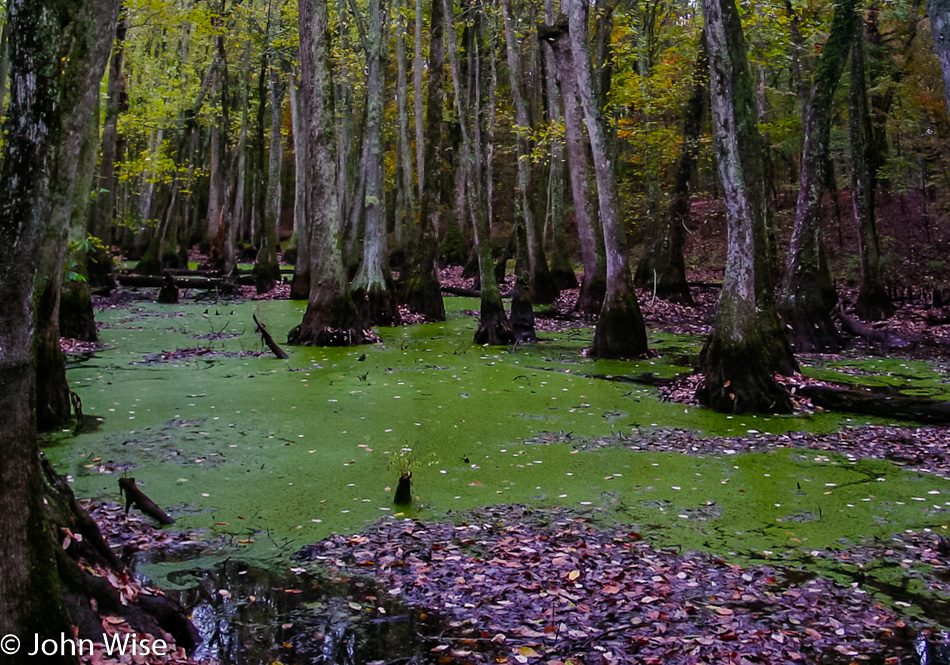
(250, 615)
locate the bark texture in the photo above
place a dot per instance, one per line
(562, 267)
(873, 303)
(747, 344)
(807, 295)
(939, 13)
(42, 104)
(620, 331)
(300, 283)
(594, 283)
(373, 285)
(331, 318)
(421, 292)
(85, 48)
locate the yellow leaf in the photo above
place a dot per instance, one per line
(573, 575)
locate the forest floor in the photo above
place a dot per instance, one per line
(554, 585)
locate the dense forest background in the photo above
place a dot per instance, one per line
(199, 96)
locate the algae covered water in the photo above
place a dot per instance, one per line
(267, 455)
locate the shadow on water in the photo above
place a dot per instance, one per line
(250, 615)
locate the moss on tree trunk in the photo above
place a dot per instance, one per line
(77, 318)
(807, 295)
(331, 320)
(589, 231)
(522, 310)
(620, 330)
(421, 292)
(748, 344)
(873, 302)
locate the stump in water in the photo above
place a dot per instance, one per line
(168, 294)
(404, 490)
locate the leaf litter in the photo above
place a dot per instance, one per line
(128, 534)
(521, 585)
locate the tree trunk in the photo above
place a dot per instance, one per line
(873, 301)
(493, 325)
(522, 312)
(77, 318)
(406, 215)
(807, 295)
(417, 90)
(300, 285)
(593, 257)
(58, 52)
(562, 269)
(421, 292)
(747, 344)
(543, 288)
(116, 103)
(331, 318)
(217, 169)
(884, 79)
(79, 97)
(373, 285)
(939, 13)
(620, 331)
(267, 269)
(663, 268)
(234, 203)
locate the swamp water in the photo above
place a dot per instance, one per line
(266, 455)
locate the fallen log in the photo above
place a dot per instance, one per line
(269, 341)
(938, 317)
(885, 339)
(146, 281)
(209, 272)
(644, 379)
(468, 293)
(867, 403)
(133, 495)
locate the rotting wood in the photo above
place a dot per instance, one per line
(269, 341)
(646, 378)
(900, 407)
(145, 281)
(168, 294)
(938, 317)
(403, 496)
(886, 339)
(133, 495)
(468, 293)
